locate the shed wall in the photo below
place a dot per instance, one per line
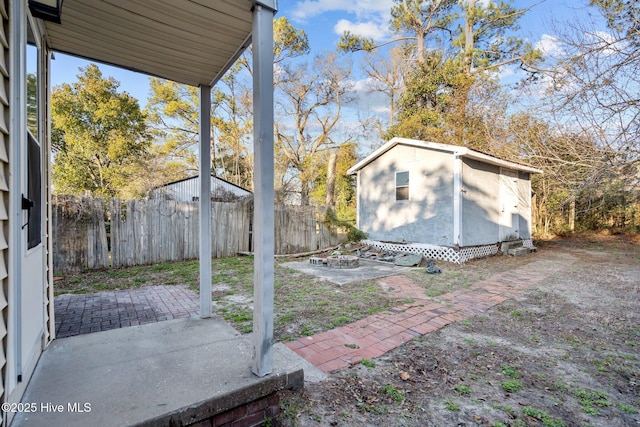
(524, 189)
(480, 203)
(428, 214)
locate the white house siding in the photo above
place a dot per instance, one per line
(480, 203)
(4, 200)
(427, 216)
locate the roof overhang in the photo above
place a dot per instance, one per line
(454, 149)
(192, 42)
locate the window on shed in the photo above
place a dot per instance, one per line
(402, 185)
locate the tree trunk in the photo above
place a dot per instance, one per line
(304, 193)
(468, 37)
(331, 180)
(572, 215)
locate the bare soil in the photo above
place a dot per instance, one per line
(565, 353)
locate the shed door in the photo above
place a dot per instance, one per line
(509, 207)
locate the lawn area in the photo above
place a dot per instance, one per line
(563, 353)
(303, 304)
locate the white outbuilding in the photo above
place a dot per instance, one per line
(444, 201)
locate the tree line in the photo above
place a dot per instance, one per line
(572, 113)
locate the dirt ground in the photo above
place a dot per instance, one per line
(564, 353)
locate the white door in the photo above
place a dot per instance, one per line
(509, 206)
(32, 281)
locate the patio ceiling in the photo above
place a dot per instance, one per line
(188, 41)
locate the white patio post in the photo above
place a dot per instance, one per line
(205, 202)
(263, 222)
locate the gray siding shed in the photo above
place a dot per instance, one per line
(188, 189)
(456, 196)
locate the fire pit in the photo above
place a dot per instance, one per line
(343, 261)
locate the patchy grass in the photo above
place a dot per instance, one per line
(166, 273)
(546, 419)
(463, 389)
(368, 363)
(511, 386)
(552, 356)
(456, 276)
(591, 400)
(561, 353)
(451, 406)
(303, 305)
(393, 392)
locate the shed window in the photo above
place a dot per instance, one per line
(402, 185)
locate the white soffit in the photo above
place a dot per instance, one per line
(188, 41)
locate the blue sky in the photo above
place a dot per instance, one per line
(325, 20)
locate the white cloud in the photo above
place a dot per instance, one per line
(606, 42)
(550, 45)
(506, 72)
(480, 3)
(364, 29)
(362, 9)
(603, 37)
(367, 99)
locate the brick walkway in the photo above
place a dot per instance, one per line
(377, 334)
(86, 313)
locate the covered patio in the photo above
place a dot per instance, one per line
(185, 371)
(171, 373)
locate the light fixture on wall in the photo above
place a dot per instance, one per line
(49, 10)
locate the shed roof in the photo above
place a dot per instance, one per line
(190, 178)
(188, 41)
(454, 149)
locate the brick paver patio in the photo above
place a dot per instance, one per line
(86, 313)
(377, 334)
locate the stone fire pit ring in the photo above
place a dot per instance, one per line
(343, 261)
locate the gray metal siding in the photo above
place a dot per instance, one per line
(427, 217)
(188, 190)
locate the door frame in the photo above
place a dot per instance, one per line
(509, 222)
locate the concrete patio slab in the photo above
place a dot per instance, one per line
(341, 276)
(175, 372)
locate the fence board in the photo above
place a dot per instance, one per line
(79, 235)
(153, 231)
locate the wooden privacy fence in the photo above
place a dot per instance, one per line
(79, 234)
(87, 235)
